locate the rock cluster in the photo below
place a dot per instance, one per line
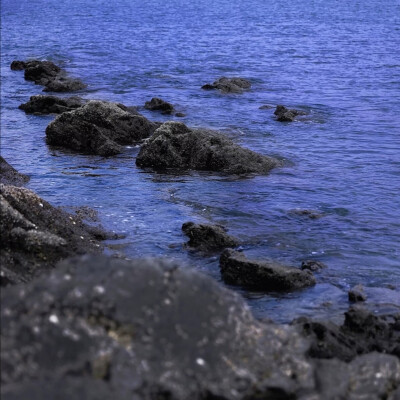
(229, 85)
(283, 114)
(99, 127)
(49, 75)
(42, 104)
(174, 146)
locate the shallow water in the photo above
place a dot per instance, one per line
(337, 60)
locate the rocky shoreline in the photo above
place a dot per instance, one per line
(104, 327)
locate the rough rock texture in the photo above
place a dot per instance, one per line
(207, 237)
(362, 332)
(283, 114)
(229, 85)
(42, 104)
(236, 269)
(10, 176)
(49, 75)
(106, 328)
(156, 104)
(313, 265)
(99, 127)
(35, 235)
(357, 294)
(175, 146)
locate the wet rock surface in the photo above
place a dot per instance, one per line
(10, 176)
(236, 269)
(42, 104)
(229, 85)
(208, 237)
(362, 332)
(35, 235)
(357, 294)
(175, 146)
(99, 127)
(49, 75)
(284, 114)
(313, 265)
(157, 104)
(148, 329)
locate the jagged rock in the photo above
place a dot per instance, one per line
(99, 127)
(48, 74)
(173, 145)
(361, 333)
(42, 104)
(35, 235)
(156, 104)
(313, 265)
(10, 176)
(236, 269)
(357, 294)
(208, 237)
(229, 85)
(283, 114)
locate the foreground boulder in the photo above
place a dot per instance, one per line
(156, 104)
(229, 85)
(147, 329)
(35, 235)
(362, 332)
(283, 114)
(236, 269)
(99, 127)
(49, 75)
(42, 104)
(175, 146)
(207, 237)
(10, 176)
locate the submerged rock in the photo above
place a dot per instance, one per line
(173, 145)
(283, 114)
(313, 265)
(236, 269)
(208, 237)
(42, 104)
(362, 332)
(35, 235)
(312, 214)
(48, 74)
(357, 294)
(229, 85)
(10, 176)
(156, 104)
(99, 127)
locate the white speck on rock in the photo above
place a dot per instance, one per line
(54, 319)
(201, 362)
(99, 289)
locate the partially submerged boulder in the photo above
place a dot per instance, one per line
(312, 214)
(44, 104)
(157, 104)
(99, 127)
(208, 237)
(49, 75)
(357, 294)
(35, 235)
(236, 269)
(283, 114)
(313, 265)
(173, 145)
(229, 85)
(10, 176)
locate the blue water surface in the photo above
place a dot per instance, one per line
(338, 60)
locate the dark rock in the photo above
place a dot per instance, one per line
(313, 265)
(35, 235)
(361, 333)
(173, 145)
(283, 114)
(236, 269)
(48, 74)
(42, 104)
(142, 329)
(312, 214)
(266, 107)
(208, 237)
(357, 294)
(156, 104)
(229, 85)
(180, 115)
(10, 176)
(98, 127)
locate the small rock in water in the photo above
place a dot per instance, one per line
(357, 294)
(283, 114)
(157, 104)
(312, 214)
(313, 265)
(229, 85)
